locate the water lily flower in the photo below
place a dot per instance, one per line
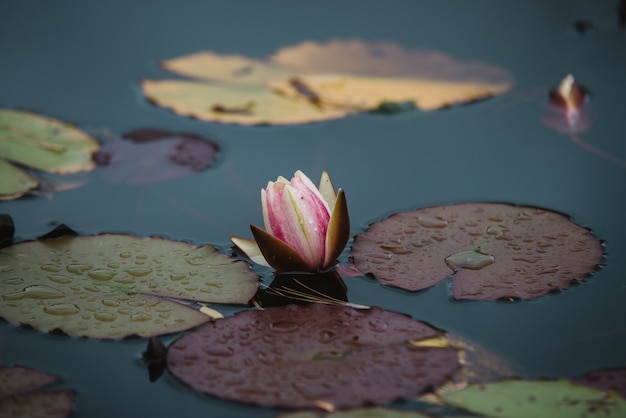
(571, 97)
(306, 228)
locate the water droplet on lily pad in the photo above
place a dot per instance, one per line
(494, 250)
(99, 301)
(296, 356)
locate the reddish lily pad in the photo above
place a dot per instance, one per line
(113, 286)
(20, 397)
(610, 379)
(494, 250)
(147, 156)
(314, 356)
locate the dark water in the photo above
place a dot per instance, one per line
(81, 62)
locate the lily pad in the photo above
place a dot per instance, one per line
(246, 104)
(147, 156)
(312, 82)
(518, 398)
(20, 395)
(113, 286)
(40, 143)
(314, 356)
(609, 379)
(358, 413)
(365, 75)
(494, 250)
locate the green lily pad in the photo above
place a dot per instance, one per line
(15, 181)
(248, 104)
(113, 286)
(542, 398)
(358, 413)
(20, 395)
(40, 143)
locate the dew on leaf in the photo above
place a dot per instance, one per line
(22, 394)
(494, 250)
(146, 156)
(99, 301)
(316, 353)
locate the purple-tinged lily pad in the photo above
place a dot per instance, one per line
(609, 379)
(317, 356)
(145, 156)
(494, 250)
(19, 395)
(113, 286)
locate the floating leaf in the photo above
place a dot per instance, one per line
(370, 93)
(358, 413)
(112, 286)
(365, 75)
(320, 82)
(19, 396)
(494, 250)
(237, 69)
(554, 399)
(610, 379)
(149, 156)
(15, 181)
(310, 356)
(247, 104)
(40, 143)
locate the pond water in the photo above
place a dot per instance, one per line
(81, 62)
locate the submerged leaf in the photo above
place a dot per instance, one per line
(310, 356)
(112, 286)
(518, 398)
(494, 250)
(147, 156)
(20, 397)
(40, 143)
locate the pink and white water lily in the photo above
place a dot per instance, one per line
(306, 227)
